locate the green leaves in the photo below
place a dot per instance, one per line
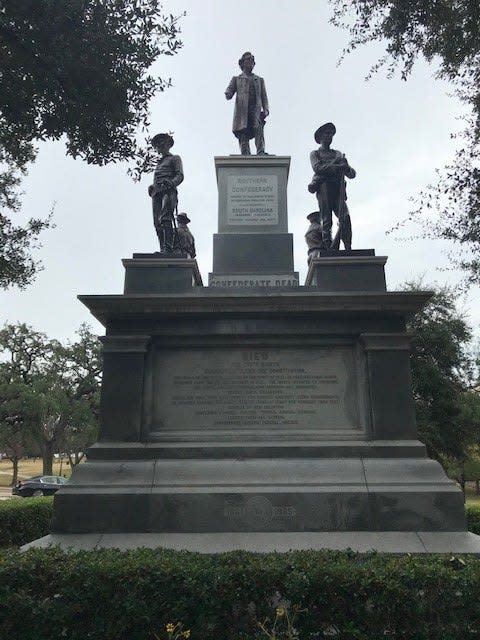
(50, 391)
(448, 33)
(444, 374)
(79, 69)
(134, 595)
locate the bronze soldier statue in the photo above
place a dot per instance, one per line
(168, 175)
(185, 239)
(330, 168)
(251, 106)
(314, 237)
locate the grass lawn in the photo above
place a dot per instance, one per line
(29, 468)
(471, 496)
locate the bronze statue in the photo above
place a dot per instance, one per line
(314, 237)
(251, 106)
(185, 239)
(330, 168)
(168, 175)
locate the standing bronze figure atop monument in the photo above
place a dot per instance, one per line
(330, 168)
(251, 106)
(168, 175)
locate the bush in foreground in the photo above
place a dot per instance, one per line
(24, 520)
(112, 595)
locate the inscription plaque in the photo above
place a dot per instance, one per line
(229, 388)
(252, 200)
(253, 280)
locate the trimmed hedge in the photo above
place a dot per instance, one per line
(110, 595)
(24, 520)
(473, 518)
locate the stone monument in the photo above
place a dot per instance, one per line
(258, 415)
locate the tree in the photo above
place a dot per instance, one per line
(447, 32)
(444, 375)
(76, 69)
(57, 385)
(15, 437)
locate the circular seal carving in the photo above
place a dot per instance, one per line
(258, 511)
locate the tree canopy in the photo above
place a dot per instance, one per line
(445, 377)
(49, 392)
(446, 32)
(78, 70)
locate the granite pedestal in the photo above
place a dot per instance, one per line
(252, 247)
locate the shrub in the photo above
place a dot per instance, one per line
(113, 595)
(24, 520)
(473, 518)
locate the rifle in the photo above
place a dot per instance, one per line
(176, 240)
(341, 214)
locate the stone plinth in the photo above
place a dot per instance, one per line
(154, 273)
(252, 247)
(347, 273)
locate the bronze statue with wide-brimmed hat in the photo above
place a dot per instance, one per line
(168, 175)
(330, 167)
(185, 239)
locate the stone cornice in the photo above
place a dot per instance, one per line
(206, 302)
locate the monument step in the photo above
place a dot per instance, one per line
(395, 542)
(276, 473)
(295, 448)
(218, 449)
(251, 495)
(255, 508)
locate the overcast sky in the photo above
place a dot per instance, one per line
(394, 134)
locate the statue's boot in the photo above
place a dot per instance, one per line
(347, 233)
(244, 144)
(168, 240)
(327, 240)
(260, 142)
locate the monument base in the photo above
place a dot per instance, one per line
(240, 420)
(394, 542)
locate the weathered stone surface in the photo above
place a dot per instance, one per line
(219, 388)
(254, 253)
(347, 273)
(161, 274)
(252, 192)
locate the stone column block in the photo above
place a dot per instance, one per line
(122, 387)
(392, 412)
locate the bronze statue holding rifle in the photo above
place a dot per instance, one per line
(330, 167)
(168, 175)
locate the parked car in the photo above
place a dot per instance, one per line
(38, 486)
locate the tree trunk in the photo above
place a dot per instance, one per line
(477, 487)
(14, 460)
(48, 458)
(76, 459)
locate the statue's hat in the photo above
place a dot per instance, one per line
(313, 215)
(328, 126)
(160, 137)
(182, 217)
